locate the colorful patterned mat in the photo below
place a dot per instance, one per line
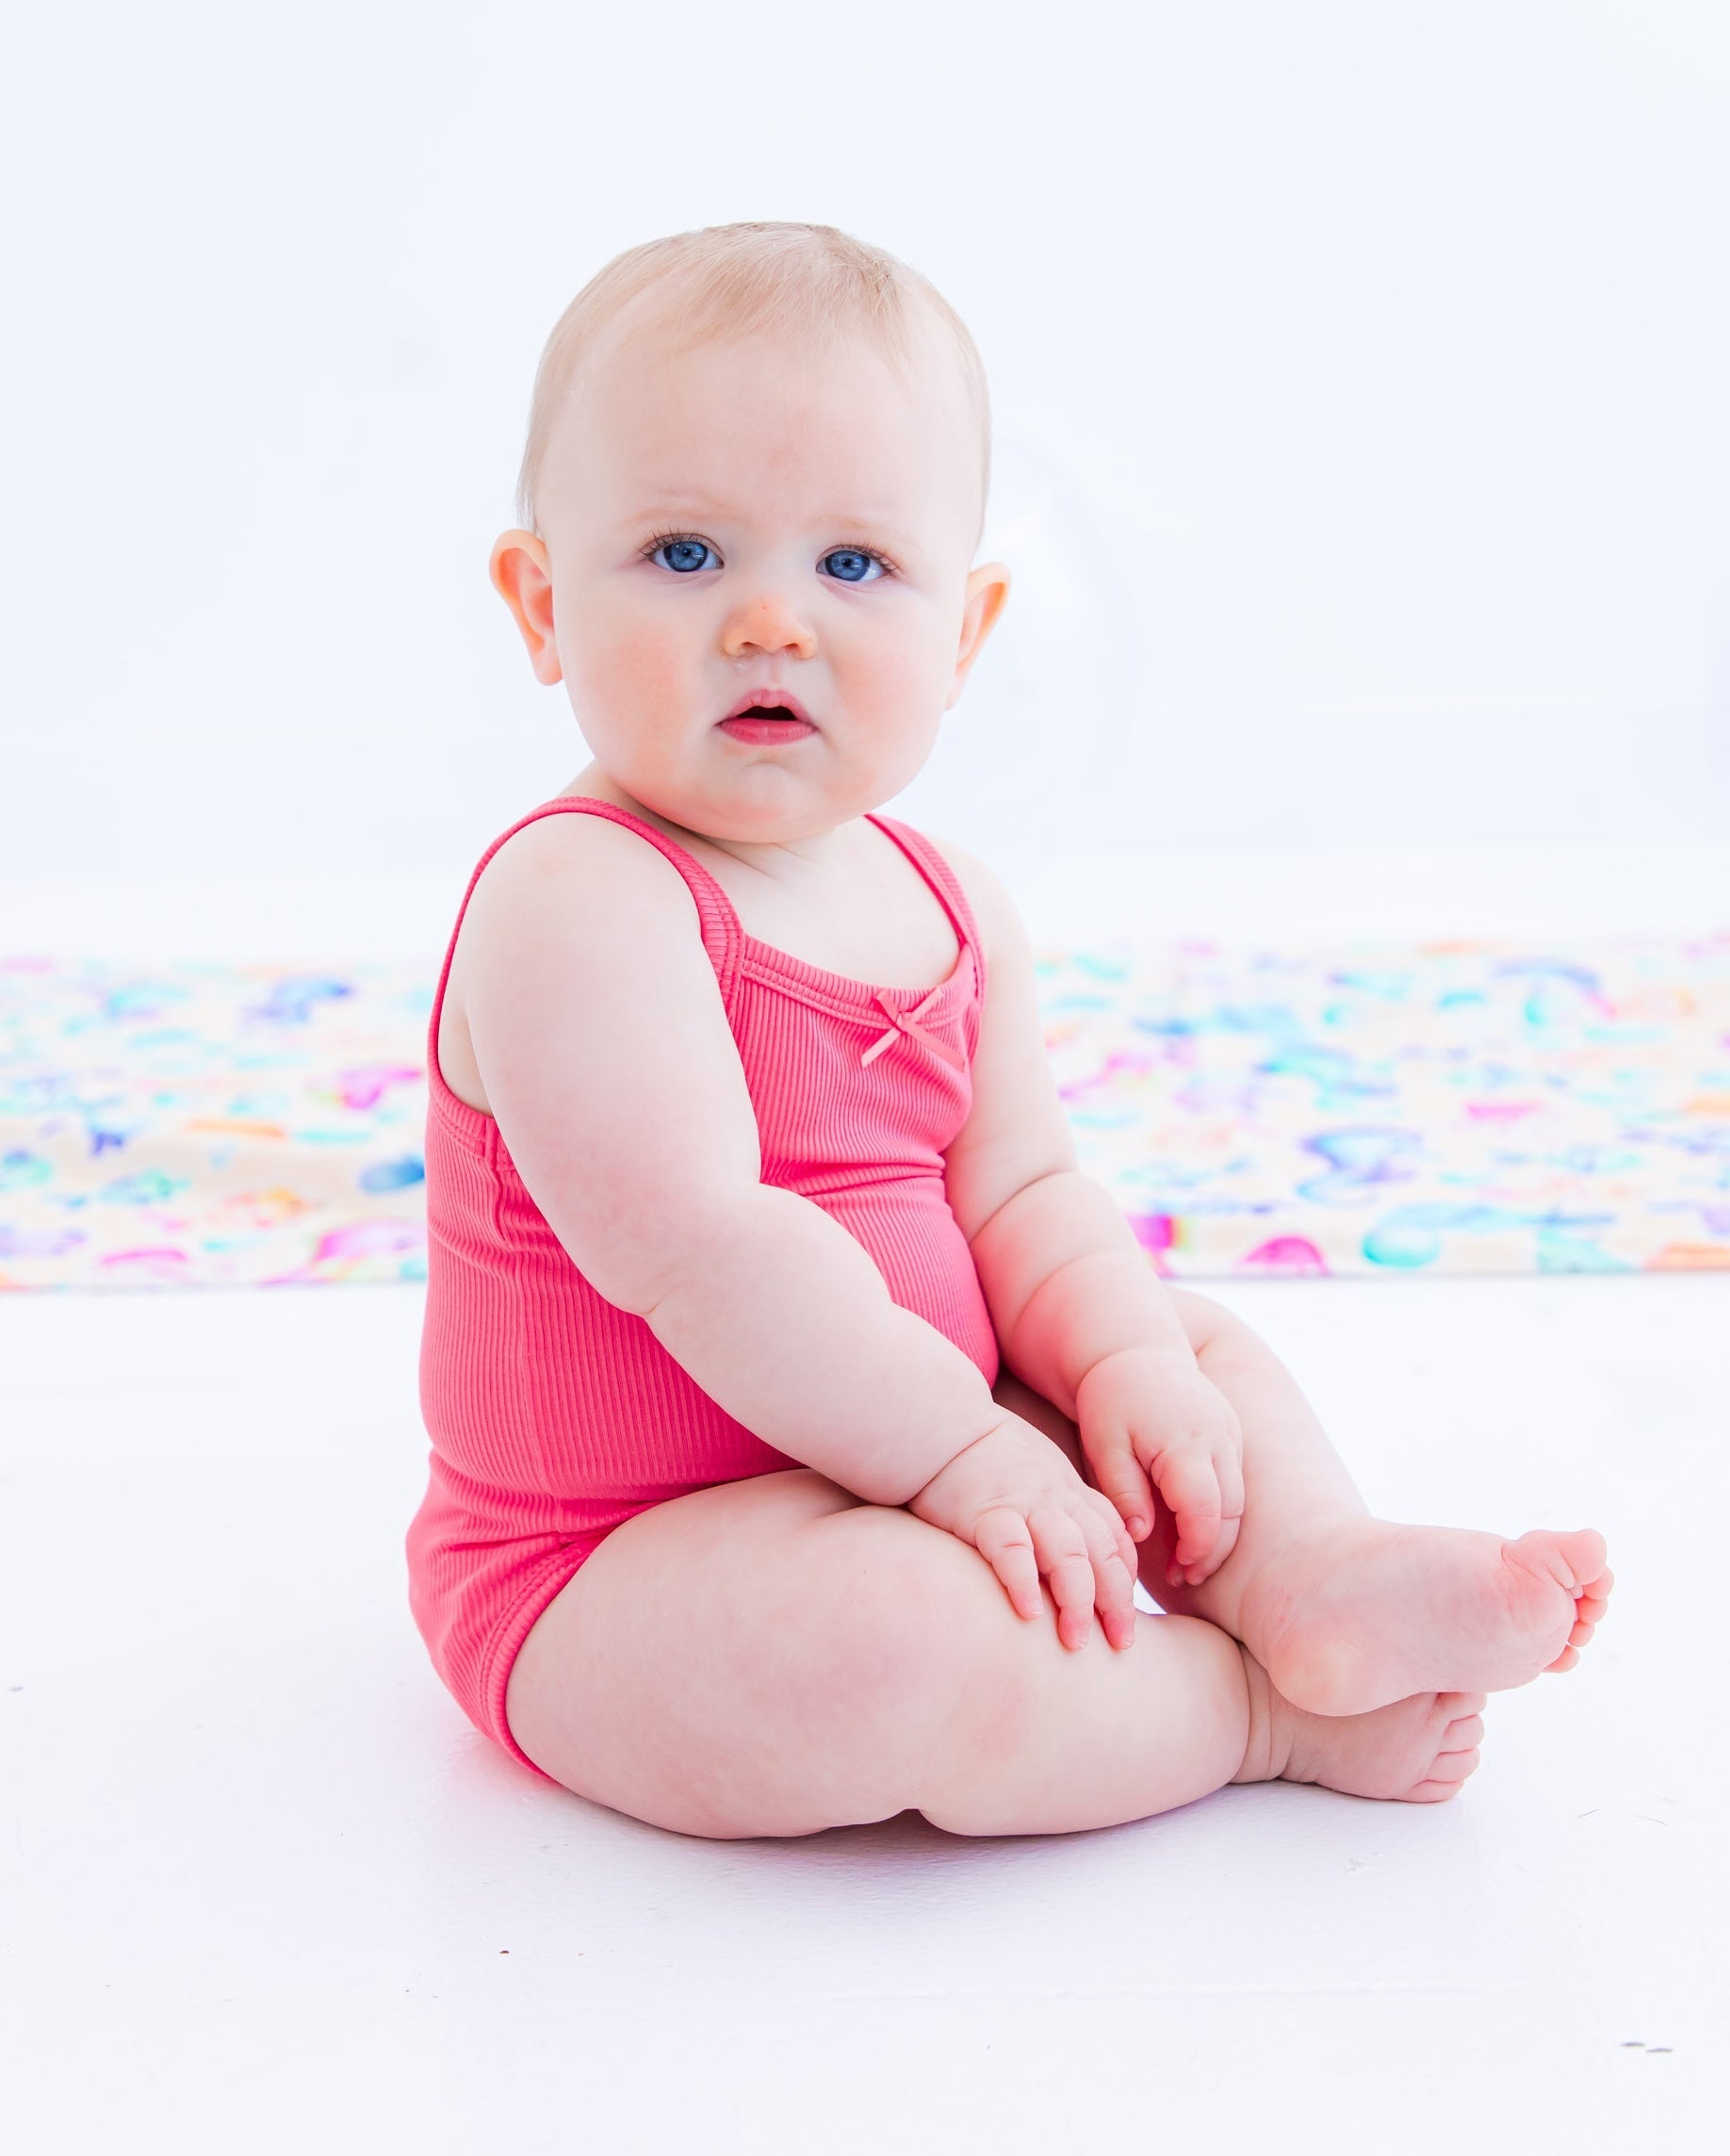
(1449, 1107)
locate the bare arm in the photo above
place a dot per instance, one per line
(1065, 1280)
(1068, 1284)
(1080, 1314)
(783, 1317)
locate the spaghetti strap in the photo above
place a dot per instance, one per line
(719, 923)
(929, 860)
(722, 930)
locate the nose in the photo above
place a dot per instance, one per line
(768, 623)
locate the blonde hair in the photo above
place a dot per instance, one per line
(810, 283)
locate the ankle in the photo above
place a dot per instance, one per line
(1268, 1744)
(1274, 1599)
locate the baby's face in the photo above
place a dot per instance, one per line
(745, 521)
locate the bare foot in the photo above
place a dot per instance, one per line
(1372, 1613)
(1417, 1751)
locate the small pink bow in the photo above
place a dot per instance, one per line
(908, 1022)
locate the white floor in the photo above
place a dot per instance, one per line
(270, 1892)
(267, 1890)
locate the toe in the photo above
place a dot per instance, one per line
(1573, 1561)
(1585, 1552)
(1447, 1772)
(1433, 1792)
(1565, 1660)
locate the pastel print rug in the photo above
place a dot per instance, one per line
(1443, 1108)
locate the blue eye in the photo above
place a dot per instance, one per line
(685, 555)
(851, 564)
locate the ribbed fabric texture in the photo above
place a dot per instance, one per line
(554, 1414)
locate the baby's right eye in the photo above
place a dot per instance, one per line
(683, 554)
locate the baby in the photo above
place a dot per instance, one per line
(796, 1403)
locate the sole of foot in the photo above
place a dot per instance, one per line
(1376, 1612)
(1417, 1751)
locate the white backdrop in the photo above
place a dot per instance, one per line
(1361, 371)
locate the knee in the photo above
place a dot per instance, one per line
(1208, 1323)
(907, 1607)
(925, 1657)
(983, 1665)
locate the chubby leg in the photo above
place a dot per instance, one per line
(1346, 1612)
(776, 1656)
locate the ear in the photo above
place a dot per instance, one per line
(520, 576)
(988, 589)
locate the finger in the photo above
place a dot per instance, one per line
(1229, 1467)
(1118, 1540)
(1002, 1538)
(1224, 1544)
(1061, 1548)
(1229, 1461)
(1122, 1480)
(1100, 1508)
(1190, 1486)
(1114, 1581)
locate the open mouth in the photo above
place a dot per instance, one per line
(766, 722)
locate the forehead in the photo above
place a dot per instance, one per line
(652, 420)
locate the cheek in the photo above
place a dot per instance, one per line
(906, 669)
(627, 665)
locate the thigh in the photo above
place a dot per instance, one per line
(769, 1657)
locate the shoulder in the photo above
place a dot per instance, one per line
(575, 855)
(1001, 928)
(573, 894)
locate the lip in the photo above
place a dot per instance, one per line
(767, 698)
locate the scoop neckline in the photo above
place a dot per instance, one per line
(843, 984)
(785, 961)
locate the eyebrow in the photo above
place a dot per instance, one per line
(872, 520)
(658, 504)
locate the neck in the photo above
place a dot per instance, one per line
(783, 859)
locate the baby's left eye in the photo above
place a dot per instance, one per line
(853, 565)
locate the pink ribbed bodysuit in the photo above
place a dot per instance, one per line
(554, 1414)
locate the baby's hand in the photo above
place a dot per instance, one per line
(1148, 1416)
(1014, 1495)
